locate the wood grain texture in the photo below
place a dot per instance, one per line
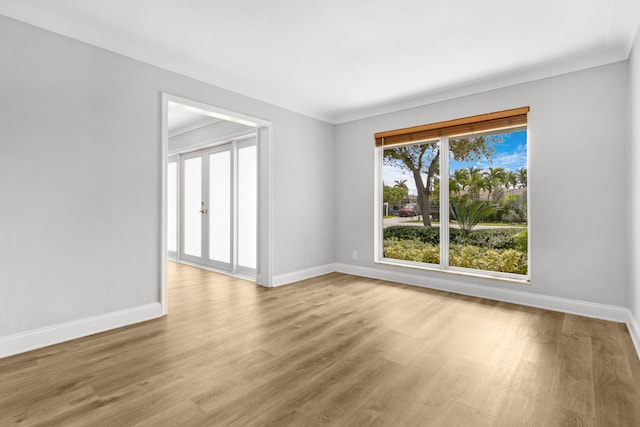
(334, 350)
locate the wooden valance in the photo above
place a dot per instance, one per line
(483, 122)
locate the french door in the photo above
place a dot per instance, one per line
(218, 218)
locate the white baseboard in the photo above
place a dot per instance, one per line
(634, 331)
(42, 337)
(565, 305)
(38, 338)
(295, 276)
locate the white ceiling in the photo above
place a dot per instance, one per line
(182, 119)
(338, 60)
(178, 116)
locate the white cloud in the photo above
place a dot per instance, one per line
(511, 161)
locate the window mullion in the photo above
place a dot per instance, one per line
(379, 200)
(444, 202)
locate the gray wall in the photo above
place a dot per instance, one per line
(577, 177)
(80, 178)
(634, 179)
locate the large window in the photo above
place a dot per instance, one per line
(454, 195)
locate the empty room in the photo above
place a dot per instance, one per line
(345, 213)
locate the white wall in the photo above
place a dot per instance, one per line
(577, 177)
(80, 179)
(634, 175)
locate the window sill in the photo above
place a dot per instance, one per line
(523, 280)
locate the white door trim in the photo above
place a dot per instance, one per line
(173, 255)
(264, 270)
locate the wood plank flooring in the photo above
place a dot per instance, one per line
(335, 350)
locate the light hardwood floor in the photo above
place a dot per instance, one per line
(334, 350)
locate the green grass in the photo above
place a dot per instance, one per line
(486, 224)
(502, 224)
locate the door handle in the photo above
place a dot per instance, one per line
(203, 210)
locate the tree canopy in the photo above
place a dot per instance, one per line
(394, 195)
(422, 161)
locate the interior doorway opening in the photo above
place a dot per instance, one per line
(216, 190)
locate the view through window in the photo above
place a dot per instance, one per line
(481, 182)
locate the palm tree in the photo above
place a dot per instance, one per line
(476, 184)
(493, 178)
(401, 183)
(511, 179)
(522, 177)
(473, 171)
(461, 179)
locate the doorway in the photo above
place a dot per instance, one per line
(219, 207)
(216, 190)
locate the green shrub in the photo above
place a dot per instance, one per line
(460, 255)
(424, 234)
(522, 241)
(493, 238)
(411, 250)
(506, 260)
(468, 213)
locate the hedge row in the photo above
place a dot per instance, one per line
(491, 238)
(481, 258)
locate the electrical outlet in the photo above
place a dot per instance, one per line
(354, 255)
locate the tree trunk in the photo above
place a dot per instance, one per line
(423, 198)
(425, 208)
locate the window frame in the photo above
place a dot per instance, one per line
(443, 266)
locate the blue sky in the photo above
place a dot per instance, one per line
(510, 154)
